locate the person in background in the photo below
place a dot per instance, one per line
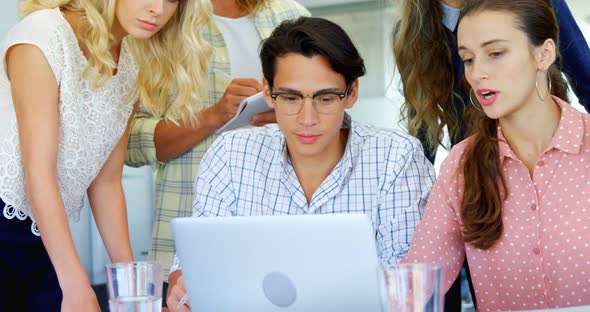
(176, 149)
(71, 73)
(432, 72)
(315, 160)
(512, 197)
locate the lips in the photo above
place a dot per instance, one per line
(307, 138)
(487, 97)
(147, 25)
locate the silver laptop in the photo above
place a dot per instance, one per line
(279, 263)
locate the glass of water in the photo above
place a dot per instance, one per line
(414, 288)
(135, 286)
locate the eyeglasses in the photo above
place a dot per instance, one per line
(324, 102)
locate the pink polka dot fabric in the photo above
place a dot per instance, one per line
(543, 257)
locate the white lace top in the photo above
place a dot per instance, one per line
(91, 122)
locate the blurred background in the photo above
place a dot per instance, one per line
(369, 23)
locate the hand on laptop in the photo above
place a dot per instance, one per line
(176, 299)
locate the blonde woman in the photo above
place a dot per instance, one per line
(235, 31)
(68, 84)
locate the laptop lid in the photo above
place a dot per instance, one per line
(279, 263)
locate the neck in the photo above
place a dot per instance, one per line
(118, 33)
(227, 8)
(312, 171)
(454, 3)
(530, 130)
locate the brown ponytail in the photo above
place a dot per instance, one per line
(484, 186)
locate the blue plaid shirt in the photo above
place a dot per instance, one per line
(383, 174)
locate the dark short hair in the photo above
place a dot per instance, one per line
(310, 36)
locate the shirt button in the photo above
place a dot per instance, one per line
(541, 296)
(541, 163)
(536, 251)
(533, 207)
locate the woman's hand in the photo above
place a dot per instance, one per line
(79, 299)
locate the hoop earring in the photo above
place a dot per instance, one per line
(473, 103)
(549, 85)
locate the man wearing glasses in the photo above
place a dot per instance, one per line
(315, 160)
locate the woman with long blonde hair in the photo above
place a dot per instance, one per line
(71, 75)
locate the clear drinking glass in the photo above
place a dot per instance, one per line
(135, 286)
(414, 287)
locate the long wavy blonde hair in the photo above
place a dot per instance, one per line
(172, 64)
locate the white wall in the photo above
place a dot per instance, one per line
(8, 15)
(369, 24)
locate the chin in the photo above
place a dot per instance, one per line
(493, 115)
(493, 111)
(306, 150)
(141, 34)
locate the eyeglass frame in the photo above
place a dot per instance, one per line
(341, 96)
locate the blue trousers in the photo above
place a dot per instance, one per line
(28, 281)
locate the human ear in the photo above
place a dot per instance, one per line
(353, 94)
(545, 55)
(266, 93)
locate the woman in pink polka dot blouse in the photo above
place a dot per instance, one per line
(515, 196)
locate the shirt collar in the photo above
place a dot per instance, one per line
(567, 138)
(570, 133)
(450, 16)
(261, 19)
(347, 160)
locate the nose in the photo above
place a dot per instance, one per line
(478, 71)
(308, 116)
(156, 7)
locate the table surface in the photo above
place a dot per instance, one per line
(585, 308)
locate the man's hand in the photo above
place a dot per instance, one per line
(176, 292)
